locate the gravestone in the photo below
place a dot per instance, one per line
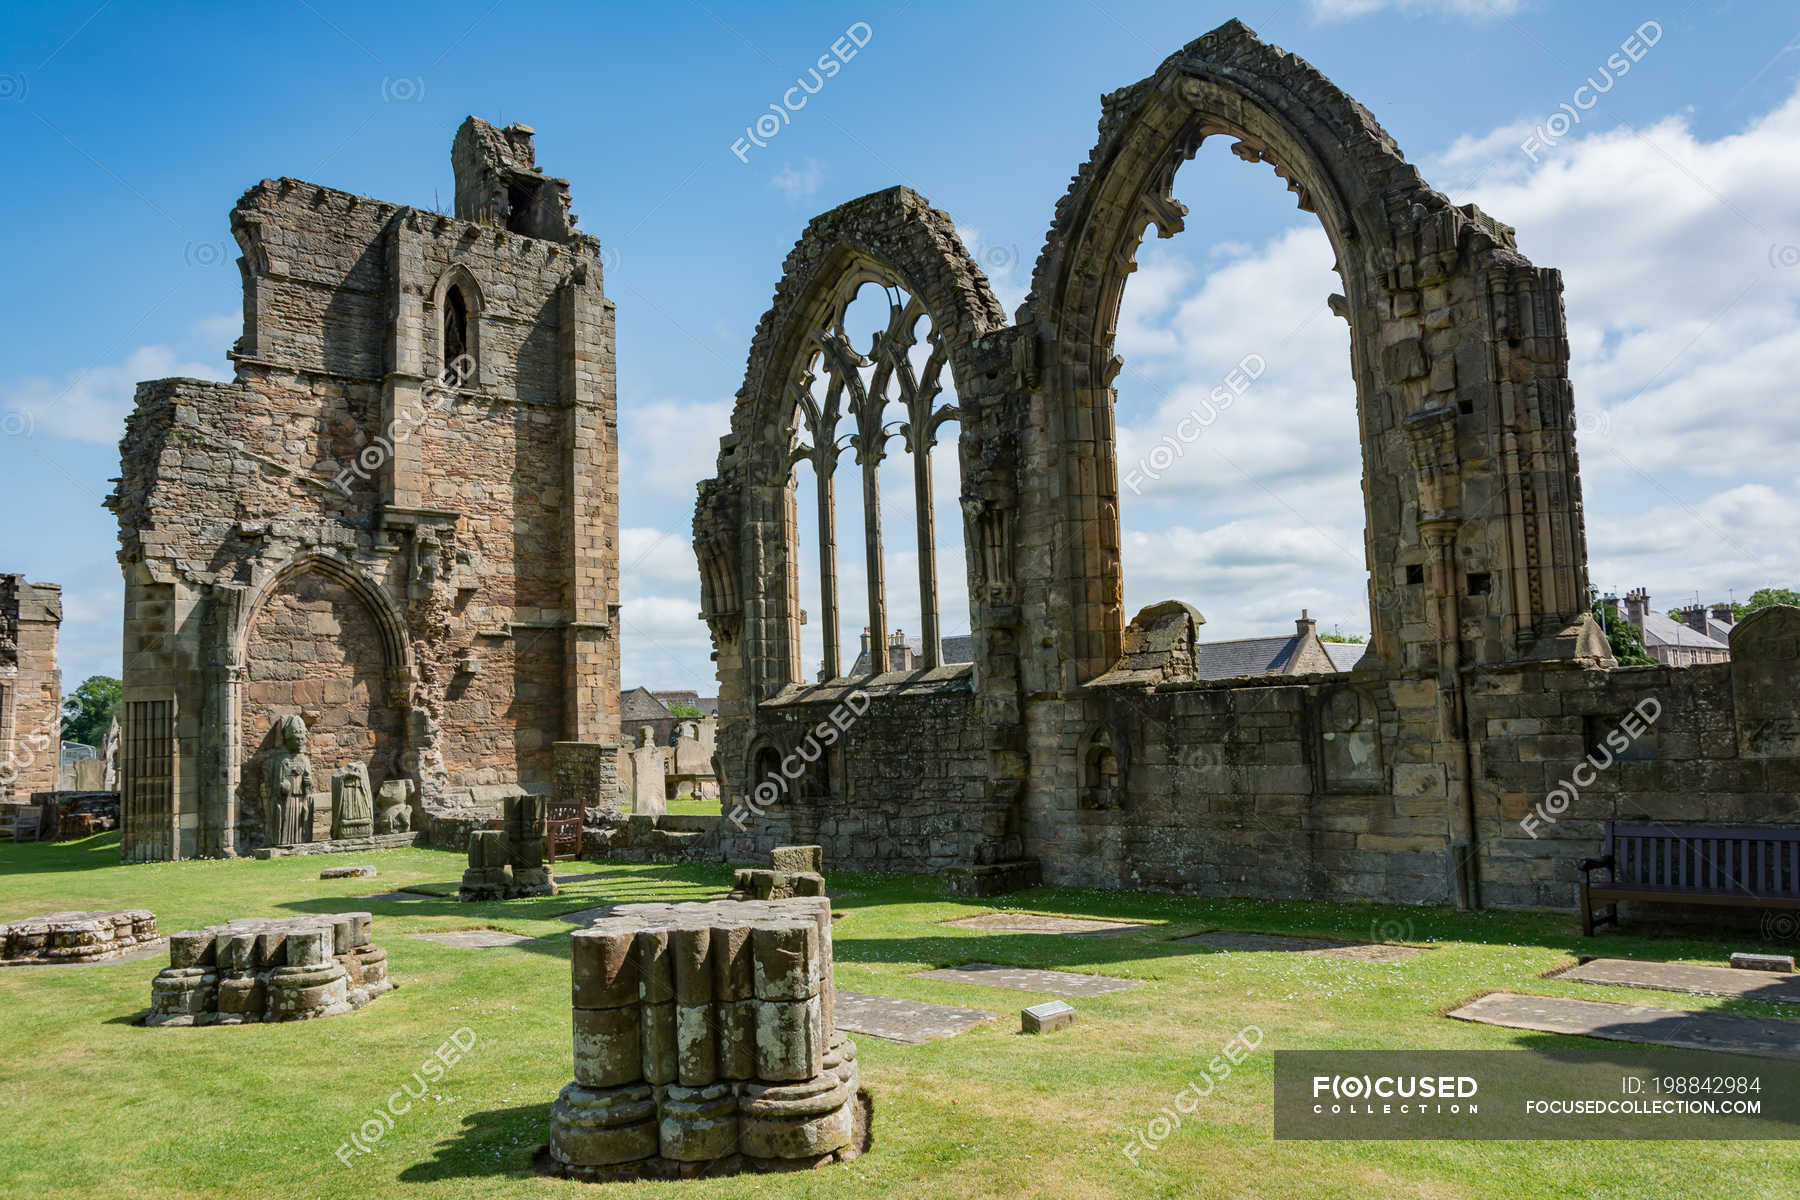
(1047, 1017)
(1765, 658)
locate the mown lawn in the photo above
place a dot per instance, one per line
(92, 1104)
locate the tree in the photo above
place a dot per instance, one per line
(1763, 598)
(1355, 638)
(88, 710)
(681, 709)
(1626, 642)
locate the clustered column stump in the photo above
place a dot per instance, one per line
(278, 969)
(704, 1044)
(507, 863)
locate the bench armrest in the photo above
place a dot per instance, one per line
(1593, 864)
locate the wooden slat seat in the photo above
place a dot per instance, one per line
(1751, 866)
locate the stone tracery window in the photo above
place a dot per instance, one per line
(872, 380)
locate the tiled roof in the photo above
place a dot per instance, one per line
(1661, 630)
(957, 648)
(1345, 655)
(1245, 656)
(640, 705)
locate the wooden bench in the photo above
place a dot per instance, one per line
(1746, 866)
(562, 829)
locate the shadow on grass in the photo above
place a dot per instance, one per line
(40, 858)
(494, 1143)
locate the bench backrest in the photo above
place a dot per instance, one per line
(1738, 860)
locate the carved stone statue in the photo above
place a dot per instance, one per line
(393, 807)
(290, 786)
(352, 807)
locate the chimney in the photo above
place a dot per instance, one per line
(865, 639)
(1305, 624)
(899, 658)
(1722, 612)
(1637, 603)
(1694, 617)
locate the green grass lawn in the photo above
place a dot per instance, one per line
(694, 806)
(92, 1104)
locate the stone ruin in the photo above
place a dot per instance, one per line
(1079, 746)
(76, 937)
(650, 775)
(269, 969)
(30, 687)
(398, 523)
(792, 871)
(705, 1043)
(508, 863)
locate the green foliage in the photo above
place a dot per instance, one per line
(678, 708)
(1353, 638)
(88, 711)
(1627, 643)
(1763, 598)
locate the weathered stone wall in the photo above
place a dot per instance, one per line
(899, 786)
(416, 555)
(30, 686)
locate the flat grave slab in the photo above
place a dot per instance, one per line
(585, 916)
(910, 1021)
(1027, 979)
(1767, 986)
(473, 939)
(1637, 1023)
(1230, 939)
(1024, 922)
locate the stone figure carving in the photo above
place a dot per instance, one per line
(393, 807)
(290, 786)
(352, 808)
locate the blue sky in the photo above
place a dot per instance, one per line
(131, 129)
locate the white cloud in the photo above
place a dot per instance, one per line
(1345, 10)
(662, 641)
(91, 404)
(1681, 263)
(1726, 544)
(222, 328)
(799, 184)
(668, 446)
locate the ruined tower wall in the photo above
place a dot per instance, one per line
(30, 686)
(416, 552)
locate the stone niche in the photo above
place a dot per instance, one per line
(269, 969)
(76, 937)
(705, 1044)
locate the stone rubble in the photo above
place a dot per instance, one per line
(269, 969)
(76, 937)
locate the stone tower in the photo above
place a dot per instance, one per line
(399, 522)
(30, 686)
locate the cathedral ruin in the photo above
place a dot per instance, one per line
(393, 538)
(1081, 746)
